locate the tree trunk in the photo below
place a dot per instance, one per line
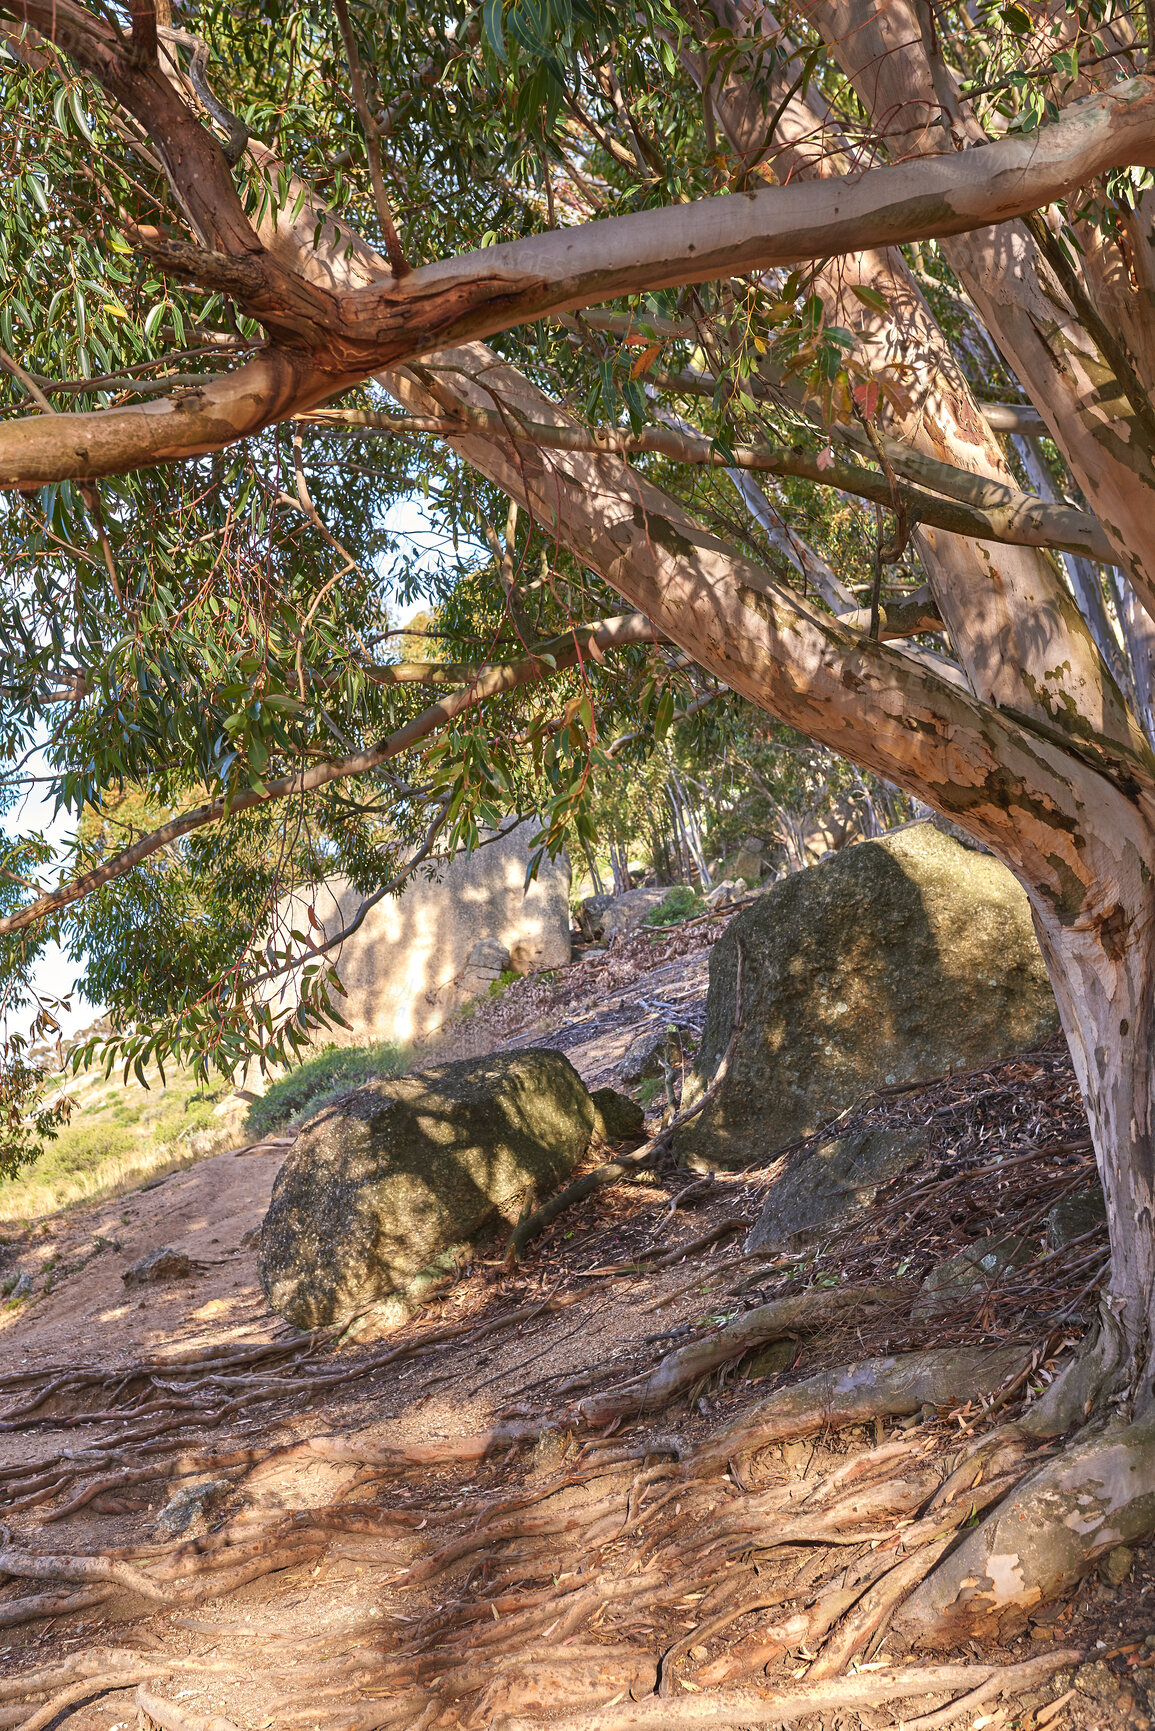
(1103, 973)
(1108, 446)
(1138, 630)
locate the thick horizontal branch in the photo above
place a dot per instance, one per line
(188, 423)
(977, 506)
(348, 334)
(552, 658)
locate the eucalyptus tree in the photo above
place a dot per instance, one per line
(736, 271)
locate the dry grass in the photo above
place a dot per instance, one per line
(120, 1136)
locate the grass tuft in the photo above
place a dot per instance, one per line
(309, 1088)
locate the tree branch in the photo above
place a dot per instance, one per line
(552, 658)
(393, 247)
(986, 509)
(349, 335)
(870, 702)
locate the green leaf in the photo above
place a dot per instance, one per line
(491, 16)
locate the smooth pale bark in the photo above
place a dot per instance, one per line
(1015, 629)
(1036, 1546)
(1107, 447)
(348, 333)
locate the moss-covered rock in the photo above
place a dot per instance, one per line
(893, 961)
(387, 1178)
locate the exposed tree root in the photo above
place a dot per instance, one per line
(877, 1388)
(173, 1718)
(27, 1565)
(29, 1610)
(784, 1706)
(1094, 1495)
(680, 1370)
(84, 1691)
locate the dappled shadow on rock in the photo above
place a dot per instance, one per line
(894, 962)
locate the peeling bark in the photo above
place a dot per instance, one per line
(1038, 1544)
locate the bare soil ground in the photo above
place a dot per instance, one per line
(512, 1512)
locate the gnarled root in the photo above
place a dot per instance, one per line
(680, 1370)
(1076, 1506)
(876, 1388)
(784, 1706)
(170, 1717)
(1099, 1369)
(36, 1605)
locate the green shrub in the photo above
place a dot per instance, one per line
(651, 1089)
(82, 1146)
(332, 1072)
(503, 980)
(681, 903)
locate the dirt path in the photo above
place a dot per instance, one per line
(429, 1530)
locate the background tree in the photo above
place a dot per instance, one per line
(728, 259)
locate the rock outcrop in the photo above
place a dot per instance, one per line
(415, 959)
(604, 917)
(388, 1179)
(893, 961)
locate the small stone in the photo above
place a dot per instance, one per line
(643, 1059)
(698, 1653)
(979, 1266)
(1117, 1565)
(1038, 1633)
(386, 1180)
(163, 1264)
(549, 1451)
(723, 894)
(773, 1359)
(618, 1118)
(189, 1506)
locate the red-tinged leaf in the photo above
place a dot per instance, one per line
(645, 360)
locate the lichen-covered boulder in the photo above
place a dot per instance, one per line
(893, 961)
(385, 1180)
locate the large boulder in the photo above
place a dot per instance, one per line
(604, 917)
(414, 960)
(385, 1180)
(893, 961)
